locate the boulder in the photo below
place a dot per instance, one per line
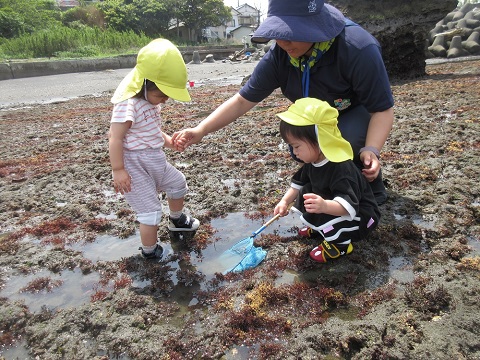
(401, 27)
(209, 58)
(196, 58)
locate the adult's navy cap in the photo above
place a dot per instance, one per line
(299, 20)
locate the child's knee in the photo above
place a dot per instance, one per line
(151, 218)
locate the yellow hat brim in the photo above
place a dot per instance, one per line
(309, 111)
(133, 82)
(160, 62)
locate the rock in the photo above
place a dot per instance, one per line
(472, 23)
(439, 28)
(475, 14)
(400, 27)
(209, 58)
(458, 15)
(256, 55)
(196, 57)
(428, 53)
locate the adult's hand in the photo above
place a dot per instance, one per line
(378, 130)
(371, 165)
(186, 137)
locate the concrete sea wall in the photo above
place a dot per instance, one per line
(29, 68)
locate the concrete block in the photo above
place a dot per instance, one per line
(5, 72)
(42, 68)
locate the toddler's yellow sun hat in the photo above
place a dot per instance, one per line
(161, 62)
(310, 111)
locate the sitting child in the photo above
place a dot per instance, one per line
(331, 192)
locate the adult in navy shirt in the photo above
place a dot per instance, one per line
(321, 54)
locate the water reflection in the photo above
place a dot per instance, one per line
(75, 289)
(230, 230)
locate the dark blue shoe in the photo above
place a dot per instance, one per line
(156, 254)
(183, 223)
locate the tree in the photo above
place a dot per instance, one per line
(154, 16)
(119, 15)
(150, 17)
(11, 24)
(199, 14)
(86, 15)
(18, 17)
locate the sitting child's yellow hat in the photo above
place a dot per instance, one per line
(310, 111)
(161, 62)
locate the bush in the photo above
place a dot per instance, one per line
(69, 42)
(11, 24)
(89, 15)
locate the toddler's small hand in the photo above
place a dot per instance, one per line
(281, 209)
(121, 181)
(312, 203)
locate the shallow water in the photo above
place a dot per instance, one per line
(232, 229)
(474, 243)
(76, 288)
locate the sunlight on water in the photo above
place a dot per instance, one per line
(75, 289)
(288, 277)
(18, 351)
(399, 268)
(240, 352)
(109, 248)
(474, 243)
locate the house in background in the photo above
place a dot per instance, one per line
(67, 4)
(178, 31)
(245, 19)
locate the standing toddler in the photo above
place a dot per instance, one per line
(139, 165)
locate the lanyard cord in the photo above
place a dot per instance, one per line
(306, 77)
(305, 64)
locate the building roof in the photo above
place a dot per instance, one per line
(68, 3)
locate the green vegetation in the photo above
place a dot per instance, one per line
(63, 42)
(40, 29)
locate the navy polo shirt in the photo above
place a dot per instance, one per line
(350, 73)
